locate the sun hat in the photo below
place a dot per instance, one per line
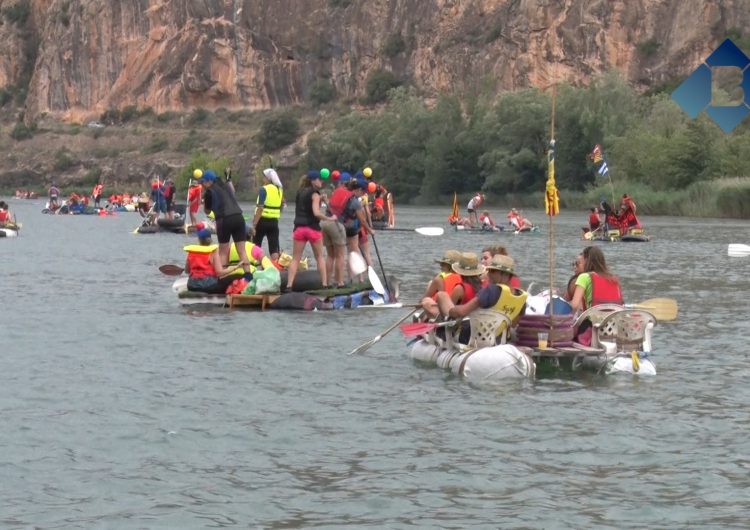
(449, 257)
(502, 263)
(208, 176)
(468, 265)
(205, 233)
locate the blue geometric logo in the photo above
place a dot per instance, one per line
(694, 94)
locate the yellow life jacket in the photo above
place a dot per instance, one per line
(234, 257)
(203, 249)
(509, 304)
(272, 205)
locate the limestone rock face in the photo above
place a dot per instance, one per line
(82, 57)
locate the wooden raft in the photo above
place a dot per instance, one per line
(573, 351)
(251, 300)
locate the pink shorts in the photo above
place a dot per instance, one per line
(305, 233)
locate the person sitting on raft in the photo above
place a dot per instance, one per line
(204, 266)
(487, 222)
(6, 218)
(470, 272)
(519, 223)
(487, 254)
(594, 286)
(595, 223)
(446, 279)
(497, 295)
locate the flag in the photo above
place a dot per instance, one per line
(596, 154)
(453, 218)
(603, 169)
(551, 197)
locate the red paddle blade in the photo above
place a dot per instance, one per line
(417, 328)
(171, 270)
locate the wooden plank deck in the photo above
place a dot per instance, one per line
(251, 300)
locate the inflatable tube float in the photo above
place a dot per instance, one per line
(8, 232)
(163, 222)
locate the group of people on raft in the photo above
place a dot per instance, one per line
(466, 283)
(484, 221)
(335, 221)
(602, 219)
(78, 203)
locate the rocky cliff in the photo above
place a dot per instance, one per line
(78, 58)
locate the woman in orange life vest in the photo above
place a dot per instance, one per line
(204, 266)
(446, 279)
(594, 286)
(465, 289)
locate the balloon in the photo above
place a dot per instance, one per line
(371, 187)
(367, 172)
(336, 174)
(197, 174)
(324, 173)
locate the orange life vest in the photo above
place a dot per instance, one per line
(200, 265)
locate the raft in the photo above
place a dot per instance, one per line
(352, 297)
(621, 342)
(635, 235)
(8, 232)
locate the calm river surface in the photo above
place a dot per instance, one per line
(121, 409)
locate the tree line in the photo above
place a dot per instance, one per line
(498, 144)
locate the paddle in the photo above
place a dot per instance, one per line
(367, 345)
(737, 250)
(385, 278)
(664, 309)
(357, 264)
(420, 328)
(375, 281)
(430, 231)
(171, 270)
(422, 230)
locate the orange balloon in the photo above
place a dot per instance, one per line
(371, 187)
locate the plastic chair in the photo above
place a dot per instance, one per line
(485, 324)
(629, 329)
(597, 313)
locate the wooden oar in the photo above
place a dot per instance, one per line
(171, 270)
(367, 345)
(422, 230)
(737, 250)
(664, 309)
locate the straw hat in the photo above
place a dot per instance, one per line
(502, 264)
(468, 265)
(449, 257)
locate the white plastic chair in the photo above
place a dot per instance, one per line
(485, 324)
(629, 329)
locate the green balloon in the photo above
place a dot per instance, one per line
(324, 173)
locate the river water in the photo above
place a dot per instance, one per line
(123, 410)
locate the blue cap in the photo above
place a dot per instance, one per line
(359, 175)
(345, 177)
(208, 176)
(204, 233)
(362, 182)
(313, 175)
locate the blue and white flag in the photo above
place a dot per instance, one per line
(603, 169)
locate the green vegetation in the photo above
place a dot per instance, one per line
(63, 160)
(17, 13)
(394, 45)
(321, 92)
(278, 130)
(21, 132)
(378, 83)
(498, 144)
(156, 145)
(647, 48)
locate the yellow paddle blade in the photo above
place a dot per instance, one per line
(664, 309)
